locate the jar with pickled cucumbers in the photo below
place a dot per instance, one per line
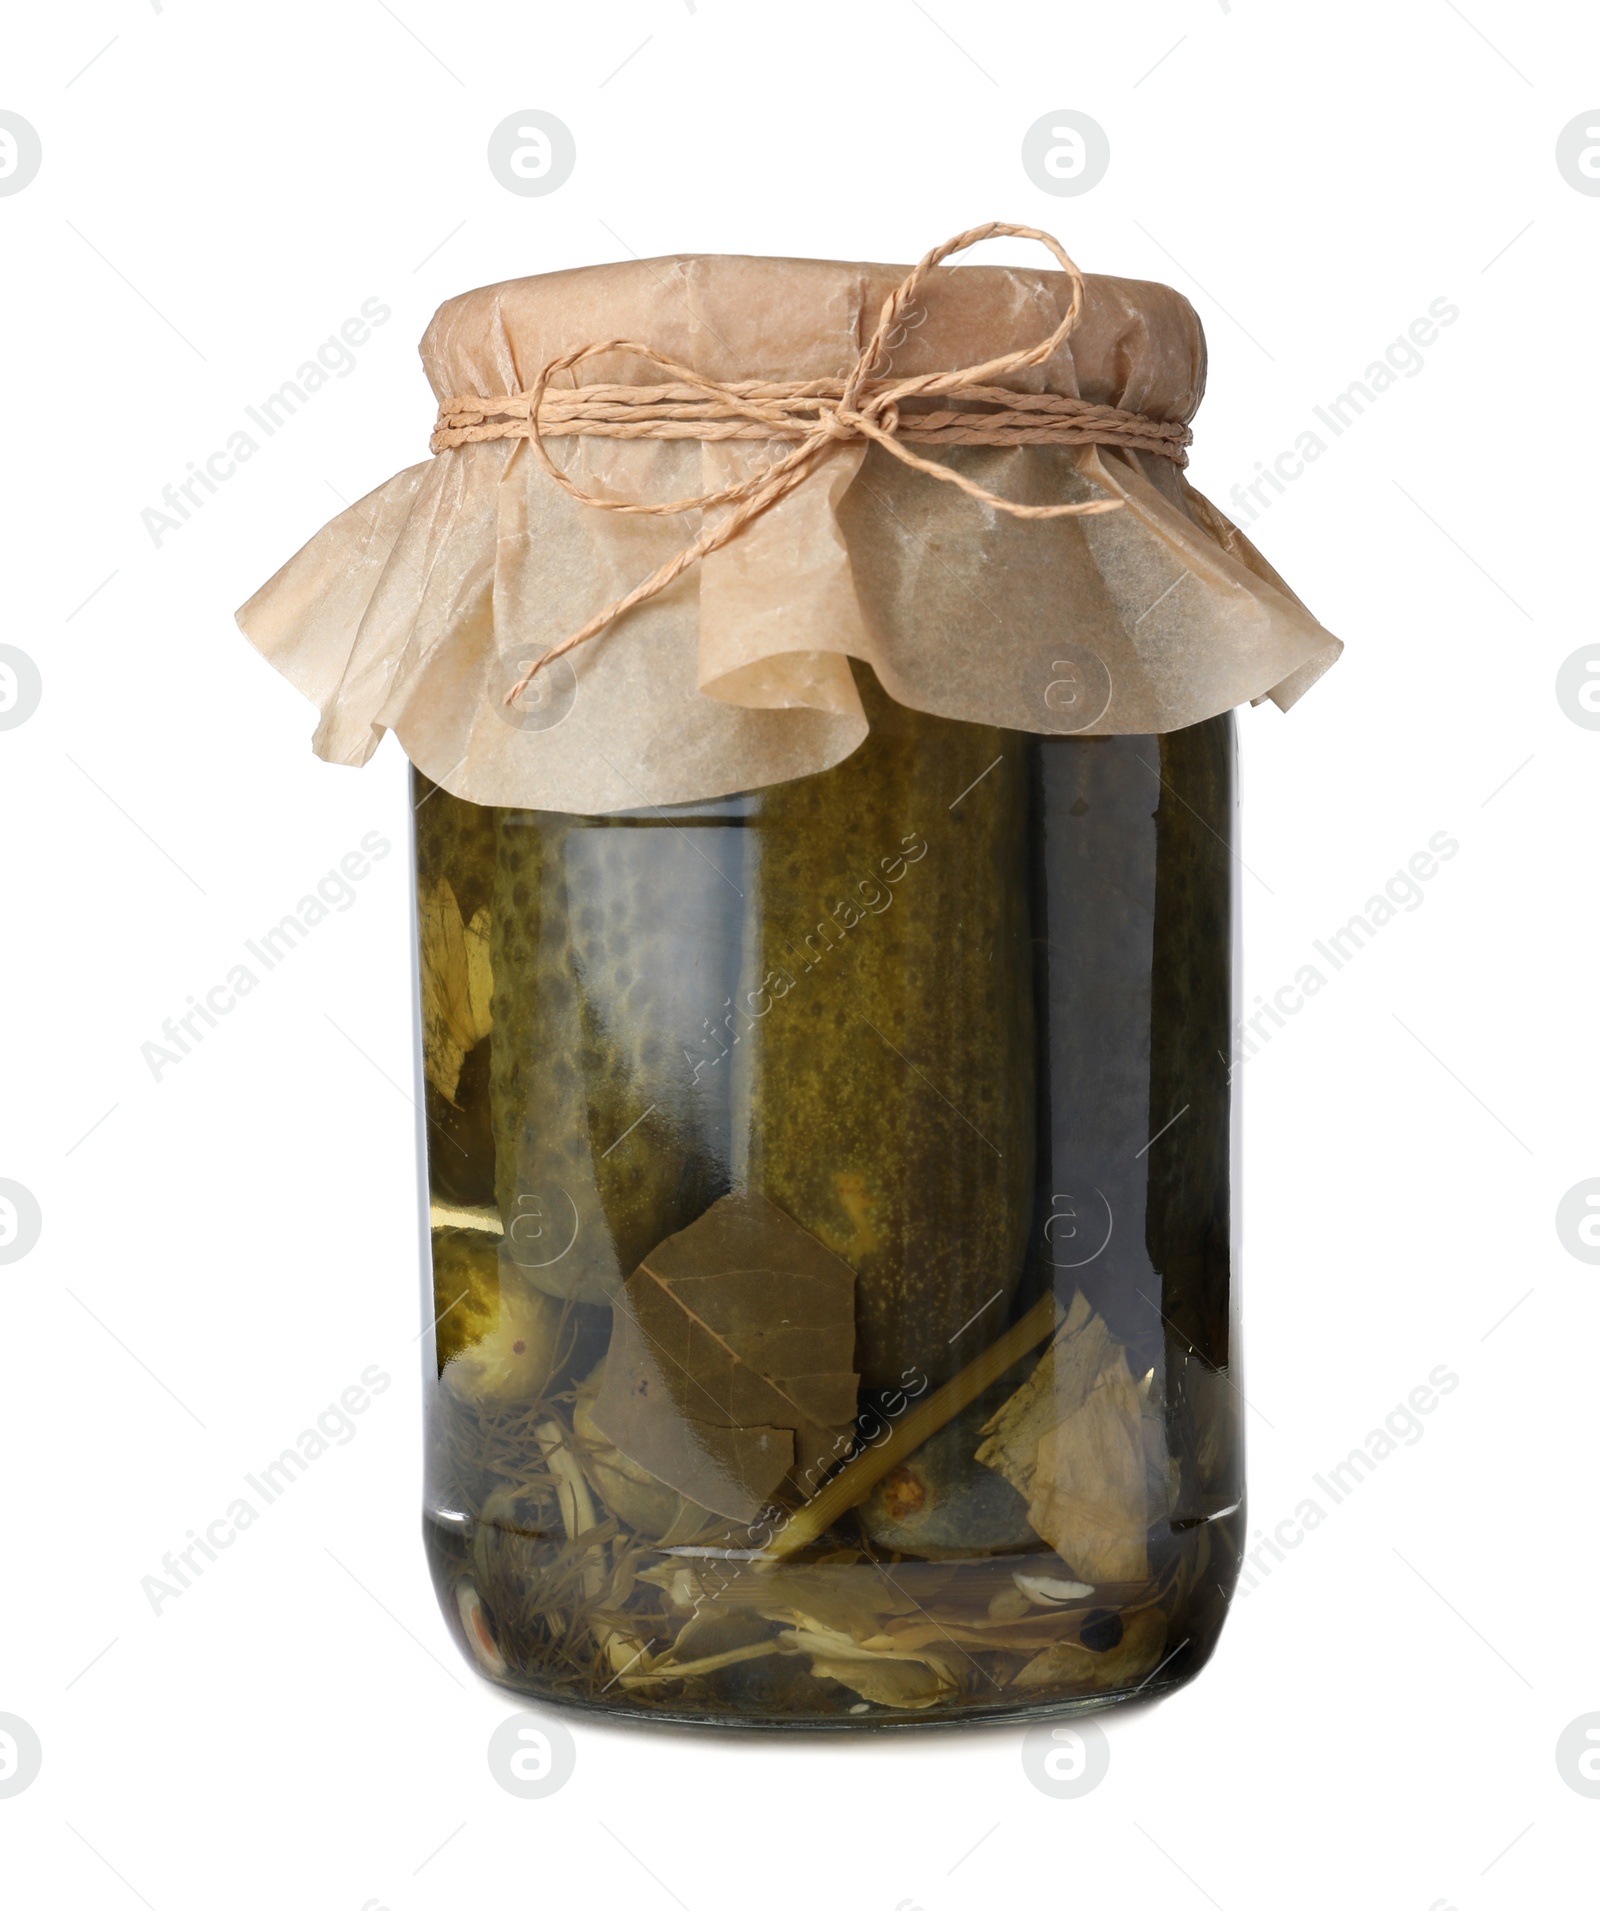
(831, 1218)
(821, 723)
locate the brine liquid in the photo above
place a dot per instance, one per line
(961, 1010)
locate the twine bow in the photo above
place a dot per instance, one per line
(819, 415)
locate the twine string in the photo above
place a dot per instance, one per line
(816, 415)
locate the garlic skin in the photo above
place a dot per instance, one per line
(653, 1509)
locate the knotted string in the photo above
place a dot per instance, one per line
(818, 415)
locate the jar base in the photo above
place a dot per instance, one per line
(777, 1692)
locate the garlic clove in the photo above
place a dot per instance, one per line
(1045, 1590)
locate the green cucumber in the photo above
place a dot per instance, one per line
(886, 1064)
(615, 948)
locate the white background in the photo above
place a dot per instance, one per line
(224, 1251)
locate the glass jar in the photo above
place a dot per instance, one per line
(831, 1232)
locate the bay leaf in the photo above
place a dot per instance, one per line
(907, 1681)
(836, 1597)
(729, 1369)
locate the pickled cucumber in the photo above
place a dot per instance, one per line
(1187, 1225)
(939, 1503)
(1188, 1216)
(615, 949)
(497, 1339)
(1095, 914)
(455, 839)
(886, 1072)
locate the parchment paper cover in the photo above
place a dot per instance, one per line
(417, 608)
